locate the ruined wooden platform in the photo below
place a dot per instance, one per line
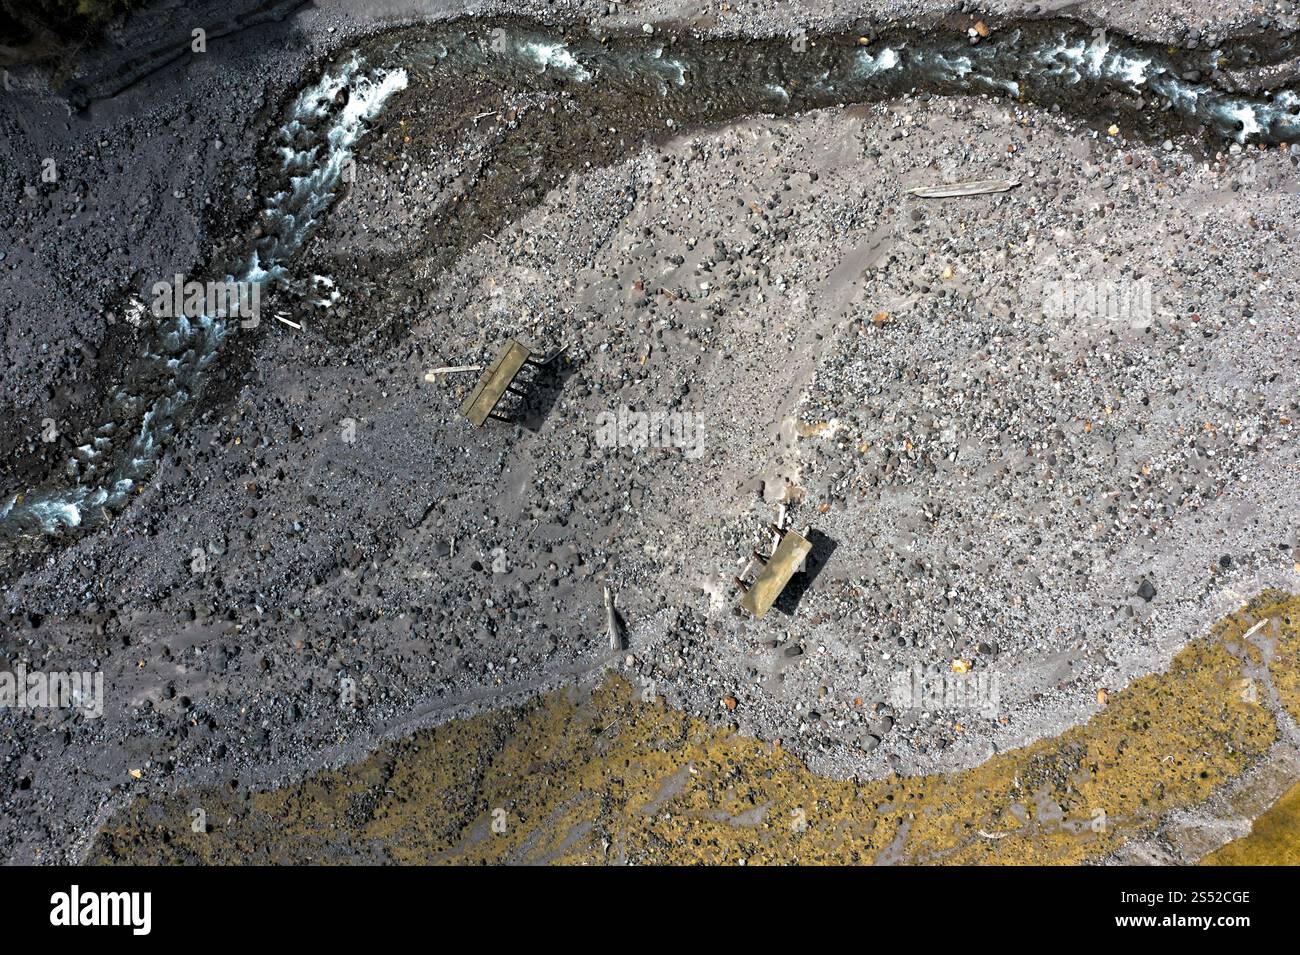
(776, 573)
(496, 380)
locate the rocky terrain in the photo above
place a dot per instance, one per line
(1055, 500)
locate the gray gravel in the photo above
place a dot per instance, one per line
(1056, 502)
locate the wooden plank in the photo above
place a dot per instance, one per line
(495, 379)
(776, 573)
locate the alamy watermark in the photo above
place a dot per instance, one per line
(228, 299)
(130, 909)
(651, 429)
(1098, 302)
(915, 689)
(59, 689)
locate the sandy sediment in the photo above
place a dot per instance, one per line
(1063, 505)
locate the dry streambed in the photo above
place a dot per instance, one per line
(1061, 504)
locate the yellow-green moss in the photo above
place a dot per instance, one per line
(1274, 838)
(1281, 617)
(611, 778)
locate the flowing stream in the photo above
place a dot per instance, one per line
(657, 84)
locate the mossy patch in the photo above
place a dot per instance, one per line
(612, 778)
(1281, 622)
(1274, 838)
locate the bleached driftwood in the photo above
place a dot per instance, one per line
(979, 187)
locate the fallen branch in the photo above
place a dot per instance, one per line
(977, 188)
(612, 622)
(450, 370)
